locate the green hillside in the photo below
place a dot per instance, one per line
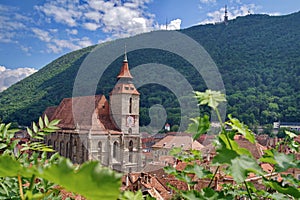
(258, 57)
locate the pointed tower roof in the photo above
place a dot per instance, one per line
(124, 72)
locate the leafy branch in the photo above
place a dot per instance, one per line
(238, 162)
(30, 174)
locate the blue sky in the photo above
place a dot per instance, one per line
(33, 33)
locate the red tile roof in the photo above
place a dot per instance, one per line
(91, 112)
(184, 141)
(50, 111)
(256, 149)
(124, 72)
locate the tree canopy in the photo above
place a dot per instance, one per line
(257, 56)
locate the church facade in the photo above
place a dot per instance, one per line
(109, 132)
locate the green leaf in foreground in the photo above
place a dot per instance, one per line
(284, 161)
(97, 179)
(210, 98)
(199, 126)
(91, 180)
(241, 128)
(10, 167)
(128, 195)
(284, 189)
(241, 166)
(224, 156)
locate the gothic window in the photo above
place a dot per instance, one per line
(130, 147)
(55, 145)
(130, 105)
(75, 151)
(115, 150)
(129, 131)
(49, 142)
(75, 146)
(68, 149)
(83, 151)
(61, 148)
(99, 150)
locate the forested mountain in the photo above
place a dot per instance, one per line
(258, 57)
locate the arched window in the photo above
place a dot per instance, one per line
(49, 142)
(130, 145)
(99, 150)
(75, 146)
(129, 131)
(61, 148)
(55, 145)
(115, 150)
(83, 153)
(68, 149)
(130, 148)
(130, 105)
(74, 151)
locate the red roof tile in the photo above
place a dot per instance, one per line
(184, 141)
(91, 112)
(124, 73)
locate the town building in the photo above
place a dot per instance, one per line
(109, 132)
(161, 149)
(288, 125)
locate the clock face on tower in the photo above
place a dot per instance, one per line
(130, 121)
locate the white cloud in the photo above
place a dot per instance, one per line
(113, 17)
(65, 12)
(58, 45)
(124, 19)
(91, 26)
(10, 76)
(233, 12)
(72, 31)
(93, 15)
(10, 24)
(173, 25)
(208, 1)
(84, 42)
(42, 34)
(26, 49)
(273, 14)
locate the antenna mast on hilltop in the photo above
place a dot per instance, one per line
(166, 24)
(226, 16)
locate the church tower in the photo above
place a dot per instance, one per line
(124, 102)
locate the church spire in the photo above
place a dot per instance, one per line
(124, 72)
(125, 55)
